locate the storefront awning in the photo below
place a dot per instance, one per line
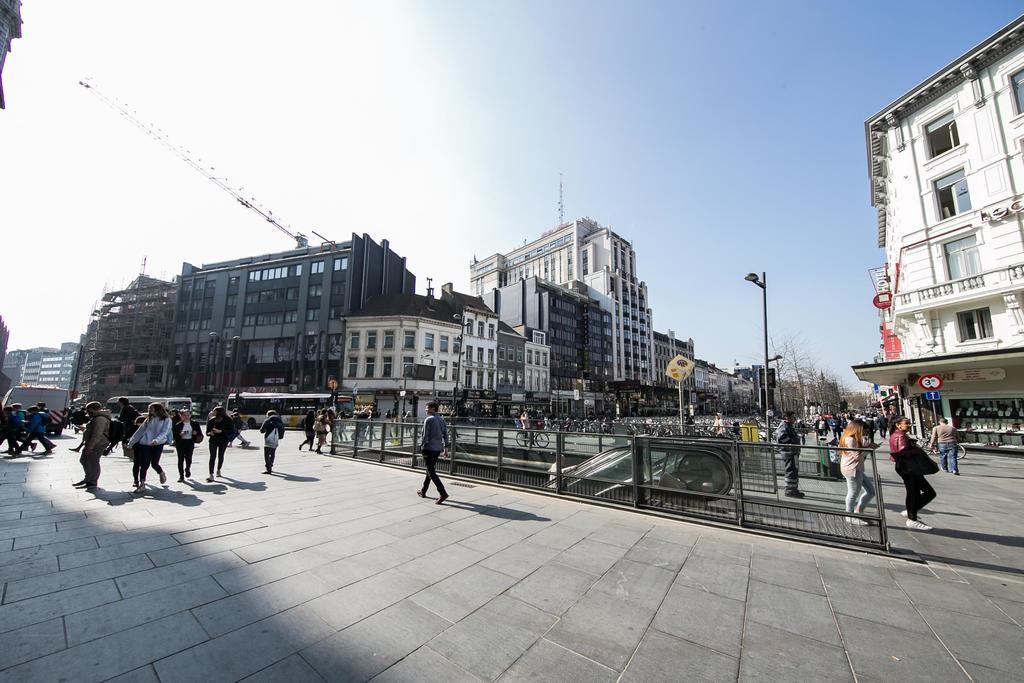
(894, 373)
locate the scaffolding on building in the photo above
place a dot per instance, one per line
(127, 341)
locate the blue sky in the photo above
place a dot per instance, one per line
(721, 137)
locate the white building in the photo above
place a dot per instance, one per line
(584, 251)
(947, 180)
(42, 365)
(478, 393)
(538, 373)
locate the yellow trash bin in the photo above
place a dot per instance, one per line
(749, 431)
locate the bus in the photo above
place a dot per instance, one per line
(141, 403)
(252, 407)
(55, 398)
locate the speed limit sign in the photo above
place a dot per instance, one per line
(930, 382)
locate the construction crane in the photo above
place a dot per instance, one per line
(185, 155)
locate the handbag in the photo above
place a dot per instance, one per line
(914, 460)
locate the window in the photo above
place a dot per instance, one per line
(353, 341)
(353, 365)
(976, 324)
(942, 135)
(538, 338)
(371, 364)
(408, 366)
(337, 312)
(316, 290)
(442, 370)
(338, 289)
(480, 379)
(501, 353)
(479, 354)
(297, 270)
(248, 321)
(444, 343)
(490, 331)
(409, 342)
(371, 339)
(229, 321)
(312, 314)
(962, 257)
(231, 300)
(529, 356)
(544, 356)
(952, 194)
(316, 267)
(291, 316)
(519, 355)
(385, 369)
(469, 379)
(291, 294)
(341, 263)
(428, 341)
(389, 339)
(490, 356)
(1017, 83)
(469, 354)
(480, 328)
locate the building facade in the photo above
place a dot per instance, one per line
(511, 385)
(538, 372)
(585, 253)
(577, 332)
(43, 365)
(5, 379)
(276, 322)
(665, 390)
(10, 29)
(477, 380)
(946, 170)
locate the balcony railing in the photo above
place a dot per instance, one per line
(990, 281)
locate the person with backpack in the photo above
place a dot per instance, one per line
(272, 431)
(97, 436)
(148, 443)
(117, 431)
(12, 427)
(186, 435)
(37, 421)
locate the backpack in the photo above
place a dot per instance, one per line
(116, 431)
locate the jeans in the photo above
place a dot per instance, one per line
(146, 456)
(790, 461)
(217, 455)
(41, 438)
(185, 450)
(268, 457)
(860, 490)
(919, 491)
(430, 461)
(947, 457)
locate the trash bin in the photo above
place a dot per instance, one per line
(749, 431)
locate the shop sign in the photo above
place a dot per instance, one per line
(882, 300)
(274, 380)
(929, 382)
(975, 375)
(1001, 212)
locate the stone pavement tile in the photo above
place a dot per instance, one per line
(792, 610)
(429, 541)
(799, 575)
(6, 545)
(623, 535)
(242, 609)
(663, 554)
(721, 578)
(21, 541)
(363, 650)
(876, 603)
(442, 563)
(679, 533)
(37, 529)
(30, 642)
(494, 540)
(218, 530)
(1015, 610)
(190, 551)
(342, 572)
(559, 536)
(641, 584)
(173, 574)
(50, 583)
(105, 658)
(983, 674)
(413, 527)
(996, 586)
(842, 570)
(591, 556)
(488, 641)
(949, 595)
(247, 650)
(994, 644)
(553, 588)
(589, 518)
(547, 661)
(602, 628)
(142, 609)
(770, 654)
(44, 607)
(242, 577)
(425, 665)
(461, 594)
(719, 550)
(21, 570)
(53, 550)
(43, 517)
(520, 560)
(355, 602)
(293, 669)
(704, 618)
(887, 653)
(475, 524)
(127, 549)
(663, 658)
(144, 674)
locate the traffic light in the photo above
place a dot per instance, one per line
(771, 378)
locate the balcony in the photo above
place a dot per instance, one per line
(954, 291)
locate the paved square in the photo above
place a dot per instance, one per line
(335, 570)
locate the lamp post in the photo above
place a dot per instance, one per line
(211, 363)
(235, 380)
(762, 283)
(458, 366)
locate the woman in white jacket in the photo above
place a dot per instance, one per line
(148, 442)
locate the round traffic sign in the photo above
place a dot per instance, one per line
(929, 382)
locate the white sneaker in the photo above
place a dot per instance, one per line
(920, 526)
(904, 513)
(856, 521)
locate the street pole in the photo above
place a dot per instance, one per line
(680, 404)
(764, 310)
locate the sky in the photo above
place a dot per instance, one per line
(719, 137)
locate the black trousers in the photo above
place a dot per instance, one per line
(11, 436)
(41, 438)
(91, 466)
(217, 455)
(145, 457)
(919, 492)
(185, 449)
(430, 461)
(268, 457)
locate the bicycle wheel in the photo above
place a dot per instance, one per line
(522, 440)
(961, 451)
(540, 440)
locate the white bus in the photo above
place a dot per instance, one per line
(141, 403)
(253, 407)
(55, 398)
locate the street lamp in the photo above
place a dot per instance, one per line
(762, 283)
(458, 366)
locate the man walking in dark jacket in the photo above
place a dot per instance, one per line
(786, 434)
(435, 438)
(95, 441)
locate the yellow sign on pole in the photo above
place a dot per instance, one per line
(679, 368)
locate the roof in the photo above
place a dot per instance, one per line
(897, 371)
(505, 328)
(469, 301)
(412, 305)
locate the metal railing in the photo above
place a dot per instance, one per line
(714, 479)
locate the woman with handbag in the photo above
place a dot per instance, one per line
(148, 443)
(186, 435)
(913, 465)
(860, 489)
(321, 428)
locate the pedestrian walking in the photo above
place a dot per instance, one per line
(37, 421)
(186, 435)
(321, 427)
(838, 425)
(719, 425)
(307, 426)
(147, 444)
(883, 425)
(236, 422)
(12, 427)
(94, 443)
(786, 434)
(860, 489)
(272, 431)
(870, 428)
(944, 441)
(433, 444)
(911, 467)
(219, 429)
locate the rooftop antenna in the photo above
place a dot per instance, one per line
(430, 289)
(143, 270)
(561, 200)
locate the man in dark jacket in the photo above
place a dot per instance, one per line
(272, 431)
(97, 437)
(37, 421)
(433, 444)
(786, 434)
